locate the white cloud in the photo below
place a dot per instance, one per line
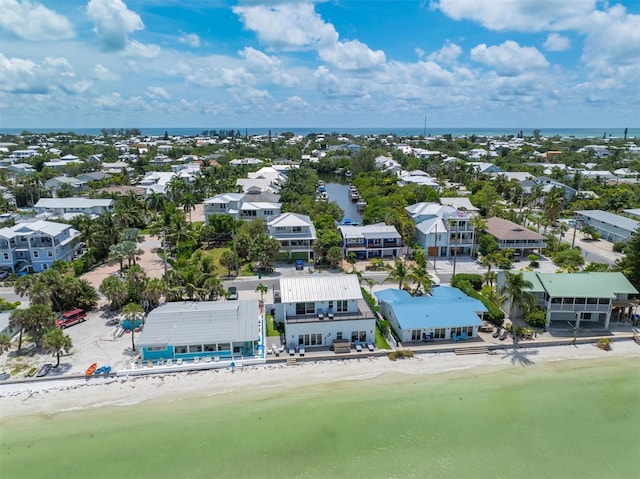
(296, 102)
(113, 22)
(449, 53)
(509, 58)
(33, 21)
(156, 92)
(270, 66)
(190, 39)
(352, 55)
(18, 75)
(136, 49)
(100, 72)
(556, 43)
(520, 15)
(288, 26)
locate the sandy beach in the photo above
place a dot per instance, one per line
(50, 397)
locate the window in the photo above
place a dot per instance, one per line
(314, 339)
(592, 301)
(416, 334)
(5, 255)
(210, 347)
(580, 300)
(305, 308)
(224, 346)
(36, 254)
(50, 254)
(339, 335)
(195, 348)
(156, 348)
(342, 305)
(179, 349)
(358, 336)
(439, 333)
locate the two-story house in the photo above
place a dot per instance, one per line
(67, 208)
(371, 241)
(296, 235)
(243, 206)
(584, 300)
(611, 227)
(320, 309)
(33, 247)
(510, 235)
(443, 230)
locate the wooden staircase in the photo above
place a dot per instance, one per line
(471, 350)
(292, 362)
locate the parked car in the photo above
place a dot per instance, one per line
(299, 264)
(232, 293)
(70, 318)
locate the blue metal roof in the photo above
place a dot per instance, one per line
(446, 308)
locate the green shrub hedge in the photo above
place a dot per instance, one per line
(474, 279)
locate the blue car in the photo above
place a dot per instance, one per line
(299, 264)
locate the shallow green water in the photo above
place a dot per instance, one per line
(554, 420)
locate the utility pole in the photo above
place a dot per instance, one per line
(164, 248)
(435, 244)
(455, 257)
(235, 253)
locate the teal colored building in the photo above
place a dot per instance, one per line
(221, 330)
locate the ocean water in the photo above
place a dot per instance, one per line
(633, 132)
(556, 420)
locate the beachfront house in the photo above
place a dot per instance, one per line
(67, 208)
(371, 241)
(33, 247)
(243, 206)
(584, 300)
(296, 235)
(447, 313)
(510, 235)
(219, 330)
(443, 230)
(610, 227)
(319, 309)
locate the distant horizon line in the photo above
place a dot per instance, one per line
(325, 127)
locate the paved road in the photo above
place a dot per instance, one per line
(10, 295)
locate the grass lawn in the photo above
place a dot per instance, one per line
(215, 253)
(271, 326)
(381, 343)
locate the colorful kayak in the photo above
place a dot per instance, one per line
(92, 369)
(31, 372)
(103, 370)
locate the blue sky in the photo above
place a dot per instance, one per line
(346, 63)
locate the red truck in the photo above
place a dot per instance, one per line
(70, 318)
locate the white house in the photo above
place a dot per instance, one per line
(33, 247)
(417, 177)
(320, 309)
(243, 206)
(443, 230)
(296, 235)
(69, 207)
(611, 227)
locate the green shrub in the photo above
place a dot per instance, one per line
(400, 354)
(619, 247)
(536, 318)
(604, 344)
(474, 279)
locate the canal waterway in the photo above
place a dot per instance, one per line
(338, 190)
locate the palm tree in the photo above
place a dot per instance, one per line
(422, 279)
(19, 319)
(554, 203)
(370, 283)
(56, 342)
(490, 277)
(156, 201)
(398, 272)
(189, 202)
(5, 343)
(515, 292)
(262, 289)
(115, 290)
(154, 290)
(133, 312)
(479, 224)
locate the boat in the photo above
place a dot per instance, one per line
(348, 222)
(92, 369)
(31, 372)
(43, 370)
(102, 370)
(347, 174)
(361, 205)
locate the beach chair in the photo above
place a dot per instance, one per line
(358, 346)
(301, 350)
(454, 337)
(149, 363)
(169, 362)
(179, 362)
(497, 333)
(292, 350)
(207, 359)
(320, 313)
(370, 346)
(431, 338)
(330, 313)
(463, 336)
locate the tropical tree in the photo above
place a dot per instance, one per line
(262, 289)
(334, 256)
(19, 319)
(479, 224)
(422, 279)
(189, 200)
(370, 283)
(554, 203)
(515, 291)
(154, 290)
(398, 272)
(5, 343)
(228, 259)
(590, 232)
(57, 342)
(115, 290)
(133, 312)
